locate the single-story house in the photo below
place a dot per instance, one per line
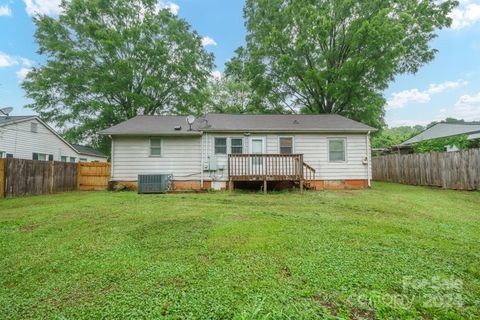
(28, 137)
(441, 130)
(220, 150)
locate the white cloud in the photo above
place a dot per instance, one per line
(447, 85)
(170, 6)
(401, 99)
(465, 15)
(207, 41)
(43, 7)
(22, 73)
(7, 61)
(216, 75)
(5, 11)
(467, 107)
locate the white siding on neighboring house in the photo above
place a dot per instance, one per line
(181, 156)
(313, 146)
(19, 140)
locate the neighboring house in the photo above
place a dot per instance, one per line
(222, 149)
(28, 137)
(441, 130)
(88, 154)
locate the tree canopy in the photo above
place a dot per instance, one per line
(335, 56)
(110, 60)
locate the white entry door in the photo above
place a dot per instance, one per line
(257, 146)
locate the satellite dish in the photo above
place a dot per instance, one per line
(6, 111)
(190, 121)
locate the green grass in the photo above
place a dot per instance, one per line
(344, 254)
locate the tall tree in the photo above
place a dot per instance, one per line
(337, 56)
(110, 60)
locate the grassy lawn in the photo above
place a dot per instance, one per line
(390, 252)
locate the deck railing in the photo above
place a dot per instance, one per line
(269, 167)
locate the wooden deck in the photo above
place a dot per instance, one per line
(269, 167)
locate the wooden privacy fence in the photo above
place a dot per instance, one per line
(19, 177)
(93, 176)
(450, 170)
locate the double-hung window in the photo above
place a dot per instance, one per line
(155, 147)
(337, 150)
(286, 145)
(236, 145)
(220, 145)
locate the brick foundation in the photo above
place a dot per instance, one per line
(177, 185)
(338, 184)
(196, 185)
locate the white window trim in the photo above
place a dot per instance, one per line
(345, 148)
(226, 145)
(264, 143)
(150, 147)
(293, 143)
(229, 144)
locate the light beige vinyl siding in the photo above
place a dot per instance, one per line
(18, 140)
(181, 156)
(314, 147)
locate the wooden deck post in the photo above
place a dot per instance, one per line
(230, 185)
(301, 173)
(265, 191)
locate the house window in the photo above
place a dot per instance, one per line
(220, 145)
(73, 159)
(9, 155)
(64, 158)
(83, 160)
(155, 147)
(40, 156)
(3, 154)
(33, 127)
(236, 145)
(286, 145)
(337, 150)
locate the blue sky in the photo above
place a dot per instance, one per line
(448, 86)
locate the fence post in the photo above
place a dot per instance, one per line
(51, 181)
(79, 169)
(2, 178)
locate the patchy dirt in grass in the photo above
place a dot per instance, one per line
(29, 227)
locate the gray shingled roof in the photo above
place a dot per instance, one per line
(88, 151)
(213, 122)
(10, 119)
(443, 130)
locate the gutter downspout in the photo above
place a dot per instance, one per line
(367, 140)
